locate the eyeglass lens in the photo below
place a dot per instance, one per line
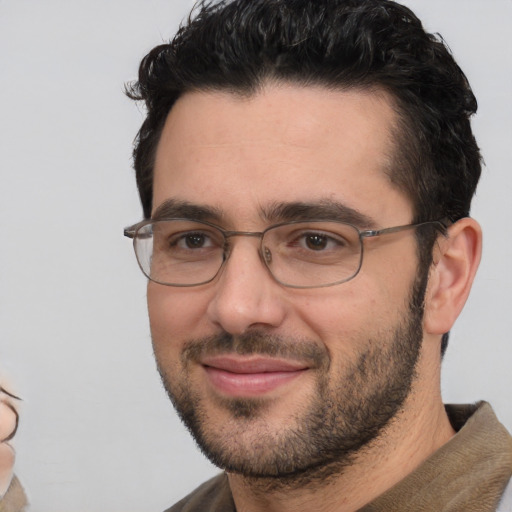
(298, 254)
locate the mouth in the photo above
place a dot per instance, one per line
(238, 376)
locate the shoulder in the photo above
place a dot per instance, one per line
(212, 496)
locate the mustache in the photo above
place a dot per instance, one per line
(255, 343)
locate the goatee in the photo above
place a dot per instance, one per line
(349, 408)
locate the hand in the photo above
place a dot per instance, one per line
(8, 426)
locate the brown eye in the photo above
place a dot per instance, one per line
(195, 240)
(316, 242)
(192, 240)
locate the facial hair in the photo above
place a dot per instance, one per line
(349, 408)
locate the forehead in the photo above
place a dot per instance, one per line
(283, 144)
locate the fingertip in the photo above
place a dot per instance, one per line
(7, 457)
(8, 421)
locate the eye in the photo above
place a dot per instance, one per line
(183, 241)
(317, 241)
(194, 241)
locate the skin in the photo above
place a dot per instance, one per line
(7, 427)
(288, 144)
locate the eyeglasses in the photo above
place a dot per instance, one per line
(298, 254)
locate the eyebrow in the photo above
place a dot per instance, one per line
(174, 208)
(325, 209)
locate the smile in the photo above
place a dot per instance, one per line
(246, 377)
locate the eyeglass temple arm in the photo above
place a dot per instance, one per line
(131, 231)
(440, 224)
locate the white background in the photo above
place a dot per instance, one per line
(98, 433)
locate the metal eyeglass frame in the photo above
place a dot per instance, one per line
(132, 232)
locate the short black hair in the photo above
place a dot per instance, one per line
(239, 45)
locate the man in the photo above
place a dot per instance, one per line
(306, 171)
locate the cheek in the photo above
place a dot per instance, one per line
(348, 317)
(337, 317)
(175, 314)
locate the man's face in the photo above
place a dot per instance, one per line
(274, 380)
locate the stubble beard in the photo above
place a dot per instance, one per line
(327, 432)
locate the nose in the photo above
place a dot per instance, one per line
(245, 294)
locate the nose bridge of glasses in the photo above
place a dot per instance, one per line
(254, 234)
(251, 234)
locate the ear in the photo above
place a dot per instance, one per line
(455, 262)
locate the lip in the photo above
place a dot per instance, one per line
(252, 376)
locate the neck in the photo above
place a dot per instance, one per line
(417, 431)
